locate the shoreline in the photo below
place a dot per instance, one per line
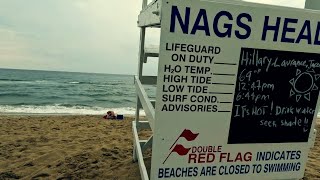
(59, 114)
(93, 115)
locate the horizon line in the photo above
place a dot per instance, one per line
(64, 71)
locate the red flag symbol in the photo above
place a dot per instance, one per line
(178, 149)
(189, 135)
(181, 150)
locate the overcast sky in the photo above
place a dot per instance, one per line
(77, 35)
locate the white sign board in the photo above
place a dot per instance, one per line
(237, 91)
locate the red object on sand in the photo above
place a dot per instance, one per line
(110, 115)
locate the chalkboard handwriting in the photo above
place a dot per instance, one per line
(313, 64)
(278, 63)
(275, 96)
(308, 63)
(283, 110)
(246, 75)
(253, 59)
(249, 58)
(244, 110)
(253, 110)
(268, 123)
(252, 96)
(256, 85)
(293, 122)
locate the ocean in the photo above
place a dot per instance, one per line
(51, 92)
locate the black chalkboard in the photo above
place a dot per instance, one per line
(275, 96)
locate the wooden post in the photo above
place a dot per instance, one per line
(140, 67)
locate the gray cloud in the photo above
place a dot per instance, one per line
(77, 35)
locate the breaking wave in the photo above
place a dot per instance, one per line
(62, 109)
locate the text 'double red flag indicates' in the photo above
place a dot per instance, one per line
(181, 150)
(189, 135)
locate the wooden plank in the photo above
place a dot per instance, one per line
(141, 58)
(153, 102)
(137, 147)
(145, 102)
(143, 125)
(150, 51)
(150, 16)
(149, 80)
(147, 144)
(142, 143)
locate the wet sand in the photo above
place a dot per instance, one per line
(78, 147)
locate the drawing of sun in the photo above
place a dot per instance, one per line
(303, 84)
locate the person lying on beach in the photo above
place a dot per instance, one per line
(110, 115)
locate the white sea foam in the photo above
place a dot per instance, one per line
(26, 82)
(57, 109)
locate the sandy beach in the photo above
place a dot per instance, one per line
(78, 147)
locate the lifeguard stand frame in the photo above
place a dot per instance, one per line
(150, 17)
